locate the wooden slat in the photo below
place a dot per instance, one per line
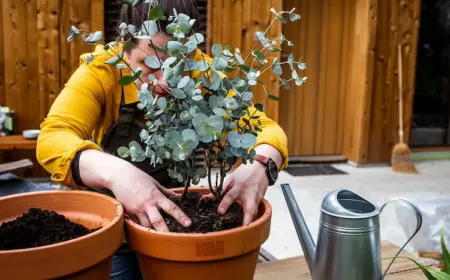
(346, 63)
(31, 96)
(313, 20)
(323, 48)
(360, 80)
(333, 79)
(13, 166)
(299, 93)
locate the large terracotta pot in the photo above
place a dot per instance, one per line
(87, 257)
(227, 255)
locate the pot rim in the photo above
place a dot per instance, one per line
(117, 204)
(255, 224)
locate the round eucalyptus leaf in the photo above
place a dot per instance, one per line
(134, 151)
(185, 116)
(149, 27)
(235, 139)
(216, 50)
(144, 134)
(219, 111)
(191, 46)
(232, 125)
(183, 82)
(197, 97)
(205, 139)
(199, 120)
(217, 122)
(141, 106)
(189, 134)
(201, 172)
(169, 61)
(195, 180)
(174, 45)
(123, 152)
(113, 60)
(219, 63)
(213, 101)
(136, 145)
(248, 140)
(140, 157)
(247, 95)
(203, 66)
(152, 62)
(236, 151)
(162, 103)
(197, 37)
(178, 93)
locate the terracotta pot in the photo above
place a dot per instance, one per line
(226, 255)
(87, 257)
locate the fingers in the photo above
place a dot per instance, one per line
(249, 212)
(227, 200)
(143, 220)
(173, 210)
(164, 190)
(157, 220)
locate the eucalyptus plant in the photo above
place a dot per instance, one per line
(211, 113)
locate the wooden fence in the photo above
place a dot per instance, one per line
(36, 58)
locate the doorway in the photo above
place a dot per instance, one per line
(430, 126)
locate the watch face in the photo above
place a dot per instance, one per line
(273, 170)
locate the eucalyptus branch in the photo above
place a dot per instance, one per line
(127, 64)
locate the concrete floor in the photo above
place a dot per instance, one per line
(376, 184)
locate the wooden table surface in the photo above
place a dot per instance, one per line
(297, 268)
(18, 142)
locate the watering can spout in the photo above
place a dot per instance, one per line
(306, 240)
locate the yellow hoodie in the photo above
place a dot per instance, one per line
(89, 104)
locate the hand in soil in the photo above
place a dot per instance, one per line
(247, 183)
(204, 216)
(142, 197)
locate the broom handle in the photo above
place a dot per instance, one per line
(400, 92)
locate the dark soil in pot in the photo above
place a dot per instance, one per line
(204, 215)
(38, 228)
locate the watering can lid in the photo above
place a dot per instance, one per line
(346, 204)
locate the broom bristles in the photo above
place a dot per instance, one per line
(402, 160)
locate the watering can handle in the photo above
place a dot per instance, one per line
(419, 225)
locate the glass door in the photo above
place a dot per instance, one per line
(431, 111)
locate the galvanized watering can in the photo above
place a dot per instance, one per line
(348, 245)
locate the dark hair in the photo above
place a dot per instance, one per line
(137, 15)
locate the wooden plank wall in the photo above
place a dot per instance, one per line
(36, 59)
(235, 23)
(398, 23)
(372, 128)
(313, 115)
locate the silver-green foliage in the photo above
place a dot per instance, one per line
(214, 112)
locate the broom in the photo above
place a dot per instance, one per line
(401, 159)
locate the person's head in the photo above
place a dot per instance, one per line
(138, 49)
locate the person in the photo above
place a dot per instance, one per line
(93, 116)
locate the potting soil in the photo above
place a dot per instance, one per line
(204, 215)
(38, 228)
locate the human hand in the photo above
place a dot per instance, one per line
(142, 196)
(247, 183)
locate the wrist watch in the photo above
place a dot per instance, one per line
(271, 168)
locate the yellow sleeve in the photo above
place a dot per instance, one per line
(271, 134)
(69, 124)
